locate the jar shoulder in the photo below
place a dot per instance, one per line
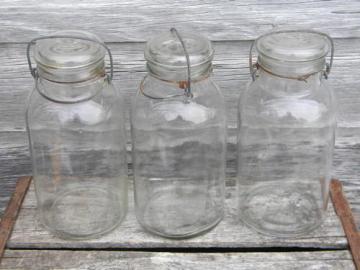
(206, 91)
(205, 106)
(310, 106)
(105, 107)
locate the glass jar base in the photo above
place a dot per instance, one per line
(79, 214)
(197, 232)
(281, 210)
(180, 212)
(68, 236)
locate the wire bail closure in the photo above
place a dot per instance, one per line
(328, 66)
(187, 89)
(33, 70)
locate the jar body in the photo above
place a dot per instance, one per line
(179, 158)
(285, 144)
(77, 144)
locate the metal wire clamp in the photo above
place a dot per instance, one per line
(187, 89)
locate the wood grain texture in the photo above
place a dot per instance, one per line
(15, 162)
(231, 73)
(135, 21)
(110, 260)
(230, 233)
(127, 24)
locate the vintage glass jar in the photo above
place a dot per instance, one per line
(179, 138)
(77, 138)
(286, 134)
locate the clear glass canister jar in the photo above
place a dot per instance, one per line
(286, 134)
(179, 138)
(77, 138)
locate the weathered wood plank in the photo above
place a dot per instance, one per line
(123, 21)
(230, 233)
(230, 72)
(15, 161)
(138, 20)
(109, 260)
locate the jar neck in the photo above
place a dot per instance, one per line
(70, 92)
(178, 74)
(158, 88)
(73, 74)
(292, 69)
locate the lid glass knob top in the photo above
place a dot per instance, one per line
(166, 59)
(69, 56)
(293, 53)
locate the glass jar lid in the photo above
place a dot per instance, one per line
(166, 58)
(69, 59)
(293, 52)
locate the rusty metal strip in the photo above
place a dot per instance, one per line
(12, 211)
(343, 210)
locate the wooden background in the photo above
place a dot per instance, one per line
(126, 25)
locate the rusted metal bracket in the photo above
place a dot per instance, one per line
(343, 210)
(12, 211)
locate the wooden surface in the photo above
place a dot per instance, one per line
(137, 20)
(230, 233)
(231, 25)
(111, 260)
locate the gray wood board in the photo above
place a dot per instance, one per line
(230, 233)
(15, 162)
(231, 72)
(110, 260)
(232, 24)
(138, 20)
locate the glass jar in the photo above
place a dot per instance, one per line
(77, 138)
(286, 134)
(179, 138)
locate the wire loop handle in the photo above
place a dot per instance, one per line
(328, 66)
(33, 70)
(188, 88)
(188, 82)
(154, 97)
